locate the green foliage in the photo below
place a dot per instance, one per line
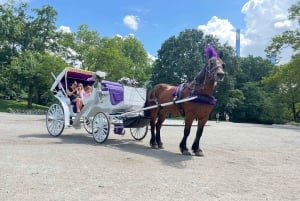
(118, 56)
(284, 82)
(252, 69)
(180, 58)
(31, 68)
(20, 106)
(31, 49)
(287, 38)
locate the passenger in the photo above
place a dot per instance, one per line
(87, 91)
(86, 94)
(81, 90)
(73, 93)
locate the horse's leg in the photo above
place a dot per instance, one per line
(153, 143)
(196, 143)
(187, 129)
(161, 119)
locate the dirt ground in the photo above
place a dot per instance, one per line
(242, 162)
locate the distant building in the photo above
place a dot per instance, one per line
(237, 43)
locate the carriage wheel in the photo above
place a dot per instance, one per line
(100, 127)
(139, 133)
(87, 124)
(55, 120)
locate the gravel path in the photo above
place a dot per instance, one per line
(243, 162)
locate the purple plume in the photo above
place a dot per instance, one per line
(210, 52)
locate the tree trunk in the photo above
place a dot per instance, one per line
(294, 111)
(29, 100)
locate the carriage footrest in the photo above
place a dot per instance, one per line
(119, 129)
(136, 121)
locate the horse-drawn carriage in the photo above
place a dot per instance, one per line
(124, 107)
(110, 103)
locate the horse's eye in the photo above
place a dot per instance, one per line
(223, 65)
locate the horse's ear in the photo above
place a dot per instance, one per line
(210, 52)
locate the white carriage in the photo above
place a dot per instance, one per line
(110, 103)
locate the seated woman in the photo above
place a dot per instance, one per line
(86, 94)
(73, 93)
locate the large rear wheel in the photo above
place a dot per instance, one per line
(55, 120)
(100, 127)
(139, 133)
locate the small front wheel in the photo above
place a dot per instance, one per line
(87, 124)
(100, 127)
(139, 133)
(55, 120)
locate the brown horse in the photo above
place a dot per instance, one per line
(202, 86)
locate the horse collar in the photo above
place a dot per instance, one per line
(204, 98)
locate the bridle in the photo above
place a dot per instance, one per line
(209, 71)
(212, 69)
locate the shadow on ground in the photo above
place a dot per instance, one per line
(124, 145)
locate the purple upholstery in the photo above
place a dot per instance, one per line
(116, 91)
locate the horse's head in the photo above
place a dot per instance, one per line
(214, 69)
(215, 65)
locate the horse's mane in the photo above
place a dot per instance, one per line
(200, 76)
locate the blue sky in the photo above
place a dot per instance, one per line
(154, 21)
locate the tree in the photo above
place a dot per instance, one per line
(20, 31)
(287, 38)
(180, 58)
(284, 82)
(252, 69)
(24, 35)
(287, 78)
(31, 68)
(118, 56)
(140, 67)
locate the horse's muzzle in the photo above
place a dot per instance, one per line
(220, 77)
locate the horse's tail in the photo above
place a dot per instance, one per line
(146, 112)
(150, 98)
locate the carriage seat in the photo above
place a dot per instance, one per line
(116, 91)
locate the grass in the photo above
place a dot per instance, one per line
(14, 106)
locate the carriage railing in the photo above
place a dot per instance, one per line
(59, 85)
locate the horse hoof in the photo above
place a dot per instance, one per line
(154, 146)
(199, 153)
(186, 153)
(160, 146)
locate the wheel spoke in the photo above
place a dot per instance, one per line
(139, 133)
(55, 120)
(100, 127)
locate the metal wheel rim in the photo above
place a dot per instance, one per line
(55, 120)
(87, 124)
(100, 127)
(139, 133)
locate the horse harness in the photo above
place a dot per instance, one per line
(201, 98)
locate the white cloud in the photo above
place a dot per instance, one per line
(223, 30)
(65, 29)
(131, 21)
(264, 19)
